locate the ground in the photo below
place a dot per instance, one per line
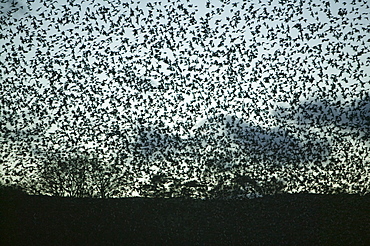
(274, 220)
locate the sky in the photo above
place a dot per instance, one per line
(272, 78)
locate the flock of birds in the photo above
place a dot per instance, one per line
(279, 89)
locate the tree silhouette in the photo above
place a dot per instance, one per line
(64, 175)
(81, 175)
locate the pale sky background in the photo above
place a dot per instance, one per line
(244, 60)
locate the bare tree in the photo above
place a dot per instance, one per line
(65, 174)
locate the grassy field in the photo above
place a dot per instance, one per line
(275, 220)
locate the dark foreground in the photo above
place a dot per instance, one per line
(277, 220)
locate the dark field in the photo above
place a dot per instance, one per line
(300, 219)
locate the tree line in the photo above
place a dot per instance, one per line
(81, 174)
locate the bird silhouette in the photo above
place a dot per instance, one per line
(192, 84)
